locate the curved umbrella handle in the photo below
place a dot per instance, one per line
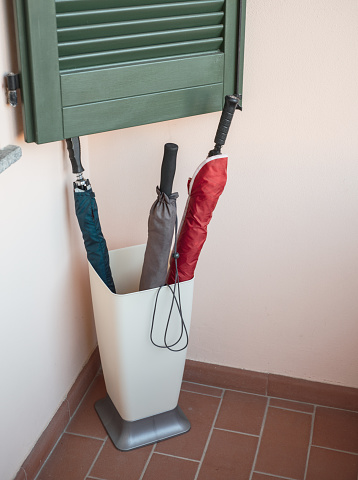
(168, 168)
(231, 102)
(74, 152)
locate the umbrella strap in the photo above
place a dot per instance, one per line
(177, 302)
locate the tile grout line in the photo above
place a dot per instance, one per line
(260, 438)
(200, 393)
(176, 456)
(64, 430)
(235, 431)
(310, 403)
(335, 408)
(335, 450)
(272, 475)
(291, 410)
(202, 384)
(147, 462)
(226, 388)
(95, 458)
(86, 436)
(245, 392)
(310, 442)
(210, 435)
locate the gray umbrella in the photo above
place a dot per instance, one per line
(161, 224)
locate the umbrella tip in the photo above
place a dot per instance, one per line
(173, 147)
(231, 102)
(168, 168)
(74, 152)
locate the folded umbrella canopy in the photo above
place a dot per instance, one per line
(204, 188)
(161, 224)
(87, 216)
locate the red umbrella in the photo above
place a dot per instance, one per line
(204, 188)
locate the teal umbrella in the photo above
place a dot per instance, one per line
(88, 219)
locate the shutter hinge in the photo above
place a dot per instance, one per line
(239, 105)
(13, 84)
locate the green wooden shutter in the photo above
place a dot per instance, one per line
(89, 66)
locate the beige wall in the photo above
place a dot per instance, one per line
(277, 281)
(47, 331)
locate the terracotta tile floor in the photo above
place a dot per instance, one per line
(234, 436)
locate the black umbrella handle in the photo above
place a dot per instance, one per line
(74, 152)
(168, 168)
(231, 102)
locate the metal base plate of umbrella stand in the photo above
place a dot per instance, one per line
(129, 435)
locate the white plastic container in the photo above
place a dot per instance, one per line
(142, 380)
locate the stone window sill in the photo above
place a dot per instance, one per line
(9, 155)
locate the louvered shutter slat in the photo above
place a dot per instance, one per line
(141, 40)
(92, 17)
(138, 54)
(98, 31)
(63, 6)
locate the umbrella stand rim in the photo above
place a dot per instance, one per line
(137, 291)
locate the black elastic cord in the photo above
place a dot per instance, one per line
(177, 302)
